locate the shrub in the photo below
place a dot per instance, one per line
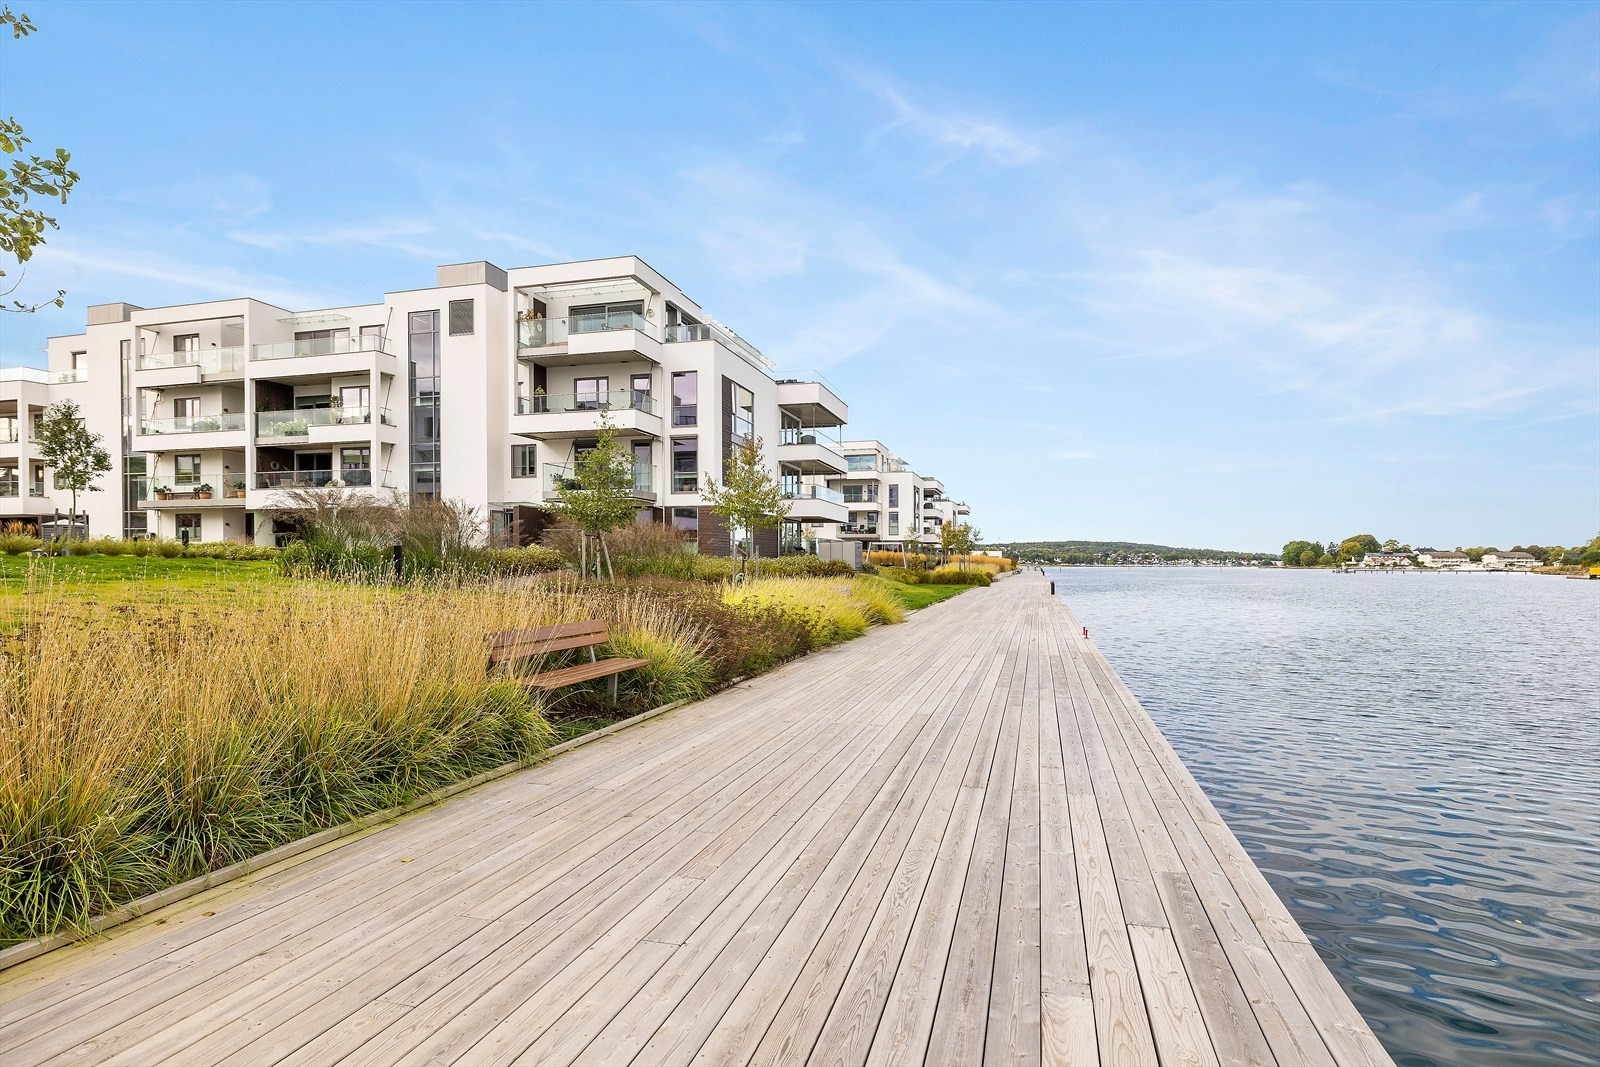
(831, 611)
(535, 559)
(17, 538)
(231, 550)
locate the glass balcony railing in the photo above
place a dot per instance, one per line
(541, 333)
(321, 346)
(870, 528)
(860, 498)
(794, 435)
(9, 435)
(298, 422)
(559, 478)
(195, 423)
(210, 361)
(705, 331)
(351, 477)
(10, 487)
(66, 377)
(814, 492)
(562, 403)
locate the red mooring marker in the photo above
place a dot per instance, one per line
(1085, 633)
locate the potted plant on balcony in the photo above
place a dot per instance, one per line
(336, 483)
(202, 491)
(293, 428)
(163, 492)
(206, 424)
(236, 490)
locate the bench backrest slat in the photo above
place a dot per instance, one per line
(540, 640)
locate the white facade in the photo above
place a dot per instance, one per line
(25, 492)
(480, 388)
(888, 503)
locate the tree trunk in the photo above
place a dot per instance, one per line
(583, 555)
(72, 517)
(610, 571)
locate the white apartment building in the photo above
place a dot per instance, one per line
(482, 387)
(24, 492)
(889, 505)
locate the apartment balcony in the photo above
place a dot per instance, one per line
(809, 452)
(68, 377)
(323, 357)
(155, 370)
(690, 333)
(191, 433)
(18, 498)
(227, 493)
(576, 340)
(816, 503)
(268, 488)
(325, 426)
(348, 478)
(858, 529)
(559, 416)
(813, 403)
(962, 509)
(560, 477)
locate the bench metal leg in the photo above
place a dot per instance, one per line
(612, 684)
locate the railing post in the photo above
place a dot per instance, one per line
(1052, 588)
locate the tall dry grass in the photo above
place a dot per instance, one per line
(141, 746)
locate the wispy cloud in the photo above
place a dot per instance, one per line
(952, 131)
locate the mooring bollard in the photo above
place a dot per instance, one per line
(1086, 633)
(1052, 588)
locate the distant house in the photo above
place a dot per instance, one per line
(1439, 558)
(1510, 561)
(1387, 559)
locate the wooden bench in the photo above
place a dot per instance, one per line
(507, 647)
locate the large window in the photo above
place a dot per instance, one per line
(686, 398)
(687, 522)
(186, 347)
(639, 384)
(868, 462)
(685, 464)
(423, 352)
(744, 414)
(186, 407)
(894, 523)
(186, 469)
(523, 464)
(188, 525)
(894, 495)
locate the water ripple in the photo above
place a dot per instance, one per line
(1411, 761)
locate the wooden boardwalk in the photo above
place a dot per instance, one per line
(955, 841)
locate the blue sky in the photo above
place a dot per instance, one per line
(1202, 275)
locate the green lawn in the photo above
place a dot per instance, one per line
(131, 578)
(920, 596)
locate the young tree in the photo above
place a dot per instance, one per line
(22, 177)
(964, 539)
(75, 455)
(949, 537)
(750, 497)
(599, 497)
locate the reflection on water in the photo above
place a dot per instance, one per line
(1414, 762)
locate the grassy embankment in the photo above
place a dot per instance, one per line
(163, 717)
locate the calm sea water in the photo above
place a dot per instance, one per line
(1414, 762)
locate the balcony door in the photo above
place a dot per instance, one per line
(591, 394)
(353, 403)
